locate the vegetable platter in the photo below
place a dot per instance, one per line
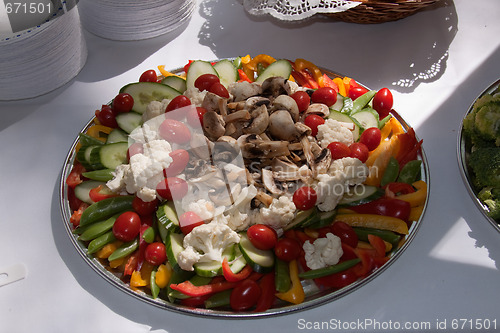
(479, 152)
(243, 187)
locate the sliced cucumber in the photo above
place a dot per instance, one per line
(366, 118)
(239, 261)
(281, 68)
(261, 261)
(167, 218)
(83, 156)
(174, 247)
(109, 156)
(227, 72)
(344, 118)
(339, 104)
(146, 92)
(87, 140)
(197, 69)
(176, 82)
(214, 268)
(361, 194)
(302, 218)
(129, 121)
(324, 219)
(117, 135)
(82, 190)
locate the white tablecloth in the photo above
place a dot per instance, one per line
(436, 62)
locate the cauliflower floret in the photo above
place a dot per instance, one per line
(117, 184)
(196, 96)
(279, 214)
(155, 109)
(330, 189)
(203, 208)
(333, 131)
(238, 216)
(205, 243)
(323, 252)
(354, 170)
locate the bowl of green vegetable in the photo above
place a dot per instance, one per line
(479, 152)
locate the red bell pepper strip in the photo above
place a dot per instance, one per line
(327, 82)
(378, 244)
(385, 206)
(100, 193)
(268, 289)
(190, 289)
(77, 214)
(131, 264)
(411, 155)
(243, 76)
(234, 277)
(75, 176)
(397, 188)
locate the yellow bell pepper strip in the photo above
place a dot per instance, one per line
(418, 197)
(302, 65)
(262, 59)
(340, 84)
(374, 221)
(107, 249)
(117, 262)
(347, 85)
(163, 275)
(97, 131)
(377, 162)
(136, 280)
(166, 73)
(295, 294)
(415, 213)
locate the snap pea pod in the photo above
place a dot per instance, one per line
(102, 175)
(386, 235)
(106, 208)
(320, 272)
(87, 140)
(217, 300)
(155, 290)
(282, 276)
(359, 103)
(97, 229)
(149, 235)
(97, 243)
(124, 250)
(391, 172)
(410, 172)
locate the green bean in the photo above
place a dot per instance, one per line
(102, 175)
(97, 243)
(386, 235)
(410, 172)
(106, 208)
(282, 276)
(391, 172)
(124, 250)
(320, 272)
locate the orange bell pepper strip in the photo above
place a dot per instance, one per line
(415, 213)
(107, 249)
(340, 84)
(302, 65)
(137, 281)
(295, 294)
(375, 221)
(379, 158)
(262, 59)
(97, 131)
(163, 275)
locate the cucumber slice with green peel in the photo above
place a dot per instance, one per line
(109, 156)
(82, 190)
(339, 104)
(227, 72)
(168, 221)
(83, 156)
(361, 194)
(261, 261)
(117, 135)
(281, 68)
(344, 118)
(214, 268)
(174, 247)
(239, 262)
(196, 69)
(176, 82)
(129, 121)
(366, 118)
(87, 140)
(324, 219)
(144, 93)
(303, 217)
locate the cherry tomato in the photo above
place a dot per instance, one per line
(188, 221)
(382, 102)
(156, 253)
(144, 208)
(127, 226)
(339, 150)
(172, 188)
(325, 95)
(245, 295)
(287, 249)
(205, 81)
(302, 99)
(180, 158)
(134, 148)
(305, 198)
(106, 116)
(313, 121)
(346, 233)
(219, 89)
(174, 131)
(148, 76)
(177, 103)
(355, 92)
(371, 138)
(359, 151)
(123, 102)
(262, 236)
(194, 117)
(338, 280)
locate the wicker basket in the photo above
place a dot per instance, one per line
(379, 11)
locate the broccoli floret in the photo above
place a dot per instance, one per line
(482, 124)
(494, 208)
(490, 196)
(485, 164)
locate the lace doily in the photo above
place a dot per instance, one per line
(293, 10)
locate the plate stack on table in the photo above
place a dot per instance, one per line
(134, 20)
(41, 41)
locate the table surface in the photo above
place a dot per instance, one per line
(436, 62)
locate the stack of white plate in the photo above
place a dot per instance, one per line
(132, 19)
(41, 47)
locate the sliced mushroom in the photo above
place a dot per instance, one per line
(282, 126)
(243, 90)
(213, 102)
(240, 115)
(320, 162)
(255, 102)
(317, 108)
(284, 171)
(213, 125)
(252, 146)
(269, 182)
(275, 86)
(285, 102)
(264, 198)
(259, 122)
(201, 146)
